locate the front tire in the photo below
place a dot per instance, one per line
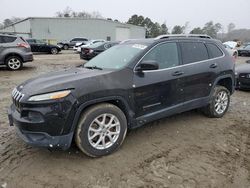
(65, 47)
(219, 103)
(101, 130)
(54, 51)
(14, 63)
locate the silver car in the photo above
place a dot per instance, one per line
(14, 51)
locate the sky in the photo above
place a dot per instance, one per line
(173, 12)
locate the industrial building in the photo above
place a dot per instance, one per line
(60, 29)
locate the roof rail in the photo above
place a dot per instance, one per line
(183, 35)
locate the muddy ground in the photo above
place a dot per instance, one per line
(185, 150)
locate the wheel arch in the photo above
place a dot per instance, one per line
(228, 81)
(118, 101)
(12, 54)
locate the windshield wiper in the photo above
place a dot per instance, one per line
(93, 67)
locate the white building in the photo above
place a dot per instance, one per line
(59, 29)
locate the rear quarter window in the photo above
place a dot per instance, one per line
(214, 50)
(193, 52)
(8, 39)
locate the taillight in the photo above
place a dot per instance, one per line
(87, 50)
(24, 45)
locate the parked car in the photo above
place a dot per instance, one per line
(70, 44)
(14, 51)
(232, 44)
(127, 86)
(242, 73)
(245, 51)
(93, 50)
(232, 51)
(87, 44)
(40, 46)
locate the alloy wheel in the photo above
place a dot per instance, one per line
(104, 131)
(221, 102)
(14, 63)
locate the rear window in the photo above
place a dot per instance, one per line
(8, 39)
(31, 41)
(214, 51)
(193, 52)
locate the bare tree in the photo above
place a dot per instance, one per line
(230, 27)
(69, 13)
(186, 27)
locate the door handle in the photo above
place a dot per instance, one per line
(178, 73)
(213, 66)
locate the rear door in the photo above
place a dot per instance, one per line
(199, 71)
(158, 89)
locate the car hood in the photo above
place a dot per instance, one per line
(232, 44)
(243, 68)
(62, 80)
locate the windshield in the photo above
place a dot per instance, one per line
(116, 57)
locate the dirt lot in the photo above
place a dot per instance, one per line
(185, 150)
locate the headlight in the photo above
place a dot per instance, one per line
(50, 96)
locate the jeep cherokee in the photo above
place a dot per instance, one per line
(129, 85)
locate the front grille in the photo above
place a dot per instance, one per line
(17, 97)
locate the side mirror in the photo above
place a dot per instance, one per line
(147, 65)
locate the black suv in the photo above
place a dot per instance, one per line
(129, 85)
(14, 51)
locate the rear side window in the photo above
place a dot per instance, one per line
(193, 52)
(31, 41)
(8, 39)
(214, 51)
(166, 55)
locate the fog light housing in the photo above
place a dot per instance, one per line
(35, 117)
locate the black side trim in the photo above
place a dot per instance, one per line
(223, 77)
(183, 107)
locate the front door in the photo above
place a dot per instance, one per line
(156, 90)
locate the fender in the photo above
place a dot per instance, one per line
(220, 78)
(129, 113)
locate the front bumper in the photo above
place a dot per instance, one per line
(47, 126)
(243, 84)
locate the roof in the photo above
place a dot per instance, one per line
(76, 18)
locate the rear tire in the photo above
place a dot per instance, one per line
(101, 130)
(219, 103)
(14, 63)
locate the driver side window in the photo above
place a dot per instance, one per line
(166, 55)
